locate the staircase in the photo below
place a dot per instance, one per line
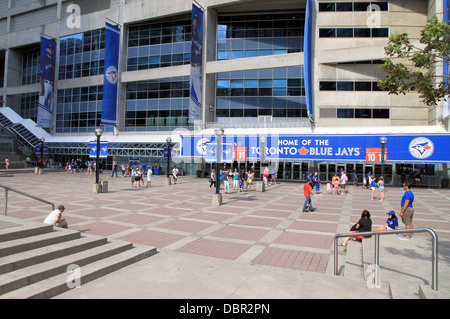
(40, 261)
(394, 278)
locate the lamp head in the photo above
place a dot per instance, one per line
(98, 132)
(383, 140)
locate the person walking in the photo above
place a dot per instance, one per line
(175, 175)
(381, 188)
(407, 210)
(114, 168)
(307, 188)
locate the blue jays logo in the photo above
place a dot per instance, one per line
(201, 145)
(111, 74)
(212, 151)
(421, 147)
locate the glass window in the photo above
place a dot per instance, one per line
(363, 86)
(380, 113)
(344, 33)
(345, 113)
(363, 113)
(344, 6)
(327, 86)
(362, 32)
(327, 32)
(361, 6)
(380, 32)
(259, 34)
(382, 5)
(345, 86)
(327, 6)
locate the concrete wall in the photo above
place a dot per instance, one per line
(403, 16)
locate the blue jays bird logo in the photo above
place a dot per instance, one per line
(111, 74)
(421, 147)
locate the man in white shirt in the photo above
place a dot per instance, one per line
(175, 174)
(54, 218)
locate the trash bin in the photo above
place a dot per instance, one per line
(104, 186)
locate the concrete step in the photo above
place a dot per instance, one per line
(36, 259)
(354, 261)
(66, 281)
(32, 242)
(30, 275)
(23, 231)
(43, 254)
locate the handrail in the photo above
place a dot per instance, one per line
(434, 257)
(24, 194)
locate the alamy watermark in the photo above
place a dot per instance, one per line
(73, 21)
(374, 279)
(74, 278)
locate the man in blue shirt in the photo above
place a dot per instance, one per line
(407, 210)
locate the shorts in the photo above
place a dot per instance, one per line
(408, 216)
(226, 183)
(137, 178)
(175, 176)
(343, 186)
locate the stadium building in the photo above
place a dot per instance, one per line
(302, 74)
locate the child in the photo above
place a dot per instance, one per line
(241, 185)
(391, 223)
(336, 187)
(373, 186)
(329, 187)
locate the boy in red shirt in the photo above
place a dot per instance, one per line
(307, 192)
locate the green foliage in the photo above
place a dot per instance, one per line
(418, 75)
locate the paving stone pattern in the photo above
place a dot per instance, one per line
(266, 228)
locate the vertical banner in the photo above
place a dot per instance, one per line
(307, 59)
(111, 78)
(195, 101)
(446, 103)
(47, 83)
(103, 149)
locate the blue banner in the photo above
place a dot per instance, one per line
(225, 157)
(103, 149)
(427, 148)
(195, 101)
(111, 77)
(307, 59)
(46, 83)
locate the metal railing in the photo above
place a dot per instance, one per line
(377, 234)
(7, 188)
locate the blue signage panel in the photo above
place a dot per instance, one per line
(166, 152)
(225, 157)
(399, 148)
(103, 149)
(38, 149)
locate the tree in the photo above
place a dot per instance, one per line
(419, 75)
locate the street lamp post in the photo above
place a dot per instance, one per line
(98, 133)
(169, 143)
(217, 197)
(383, 140)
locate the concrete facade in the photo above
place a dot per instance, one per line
(21, 28)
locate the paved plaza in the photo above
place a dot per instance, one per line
(250, 229)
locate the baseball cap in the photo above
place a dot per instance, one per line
(390, 213)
